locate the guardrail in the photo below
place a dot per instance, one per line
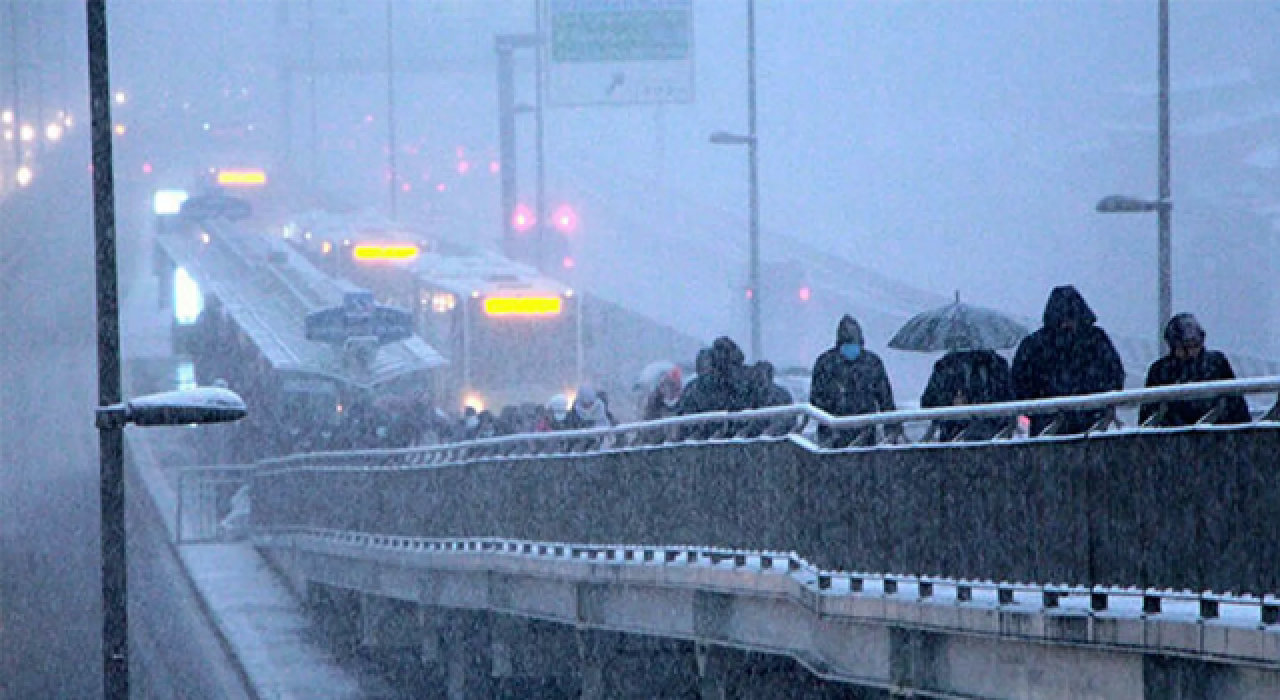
(205, 499)
(871, 430)
(1250, 611)
(1188, 508)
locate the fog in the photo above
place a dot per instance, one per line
(950, 146)
(909, 152)
(945, 146)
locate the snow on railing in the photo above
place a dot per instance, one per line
(789, 422)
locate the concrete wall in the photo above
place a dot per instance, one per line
(1191, 510)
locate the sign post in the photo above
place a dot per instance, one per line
(619, 52)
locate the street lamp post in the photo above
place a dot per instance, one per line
(113, 414)
(115, 619)
(539, 144)
(1163, 204)
(1165, 211)
(391, 112)
(753, 185)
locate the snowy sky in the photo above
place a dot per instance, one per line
(948, 145)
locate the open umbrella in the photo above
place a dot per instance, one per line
(652, 373)
(958, 326)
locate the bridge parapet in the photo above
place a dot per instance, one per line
(1138, 543)
(1186, 509)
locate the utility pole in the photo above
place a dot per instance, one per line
(115, 618)
(284, 30)
(505, 45)
(311, 88)
(1165, 211)
(507, 141)
(391, 112)
(17, 87)
(540, 172)
(753, 176)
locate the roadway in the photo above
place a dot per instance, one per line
(49, 564)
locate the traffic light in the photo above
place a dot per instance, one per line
(522, 219)
(565, 219)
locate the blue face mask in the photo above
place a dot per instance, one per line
(851, 351)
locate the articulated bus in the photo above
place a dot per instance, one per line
(515, 337)
(511, 335)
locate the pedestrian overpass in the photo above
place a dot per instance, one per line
(1129, 562)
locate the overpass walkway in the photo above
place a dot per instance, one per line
(1095, 565)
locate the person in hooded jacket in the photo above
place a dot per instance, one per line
(664, 400)
(723, 387)
(966, 376)
(849, 380)
(558, 408)
(589, 410)
(766, 393)
(701, 375)
(1189, 361)
(1068, 356)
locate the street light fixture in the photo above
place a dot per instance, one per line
(1120, 204)
(724, 138)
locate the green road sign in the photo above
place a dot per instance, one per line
(619, 52)
(651, 31)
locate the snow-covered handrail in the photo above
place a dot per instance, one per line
(776, 423)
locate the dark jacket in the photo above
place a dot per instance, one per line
(656, 407)
(725, 387)
(968, 377)
(1055, 361)
(1208, 366)
(844, 387)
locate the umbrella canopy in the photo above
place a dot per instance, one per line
(652, 374)
(958, 326)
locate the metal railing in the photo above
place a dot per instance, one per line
(206, 497)
(806, 425)
(1251, 611)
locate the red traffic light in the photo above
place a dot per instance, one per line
(522, 219)
(565, 219)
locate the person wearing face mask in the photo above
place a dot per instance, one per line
(1188, 361)
(1068, 356)
(850, 380)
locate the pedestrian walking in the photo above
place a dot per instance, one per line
(849, 380)
(1189, 361)
(1069, 356)
(965, 377)
(664, 400)
(589, 410)
(723, 387)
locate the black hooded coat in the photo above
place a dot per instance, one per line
(724, 387)
(964, 377)
(1207, 366)
(844, 387)
(1055, 361)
